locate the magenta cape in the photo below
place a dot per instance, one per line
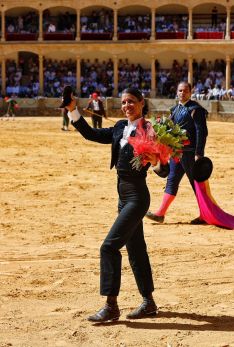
(210, 212)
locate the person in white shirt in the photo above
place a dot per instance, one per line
(96, 108)
(51, 28)
(230, 93)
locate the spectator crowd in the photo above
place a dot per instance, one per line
(62, 22)
(209, 80)
(25, 23)
(133, 75)
(134, 23)
(97, 76)
(171, 23)
(57, 74)
(101, 20)
(22, 77)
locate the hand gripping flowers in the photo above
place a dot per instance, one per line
(161, 137)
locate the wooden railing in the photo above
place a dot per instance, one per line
(133, 36)
(58, 36)
(209, 35)
(170, 35)
(96, 36)
(21, 36)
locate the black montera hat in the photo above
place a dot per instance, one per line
(162, 170)
(202, 169)
(66, 98)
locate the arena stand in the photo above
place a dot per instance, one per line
(105, 48)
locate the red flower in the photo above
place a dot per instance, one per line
(145, 142)
(186, 142)
(176, 159)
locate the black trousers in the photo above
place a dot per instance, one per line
(134, 201)
(97, 121)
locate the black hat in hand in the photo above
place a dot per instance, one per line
(162, 170)
(202, 169)
(67, 96)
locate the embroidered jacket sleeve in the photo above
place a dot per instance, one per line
(103, 135)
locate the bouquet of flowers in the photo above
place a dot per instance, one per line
(160, 137)
(170, 134)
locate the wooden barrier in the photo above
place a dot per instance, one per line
(48, 107)
(133, 36)
(21, 36)
(170, 35)
(209, 35)
(96, 36)
(60, 36)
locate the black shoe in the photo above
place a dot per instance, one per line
(197, 221)
(146, 310)
(106, 313)
(154, 217)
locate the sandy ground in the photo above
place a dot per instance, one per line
(58, 200)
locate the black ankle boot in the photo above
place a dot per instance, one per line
(146, 310)
(107, 313)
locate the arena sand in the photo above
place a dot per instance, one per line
(58, 201)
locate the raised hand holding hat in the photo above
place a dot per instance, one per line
(67, 96)
(69, 102)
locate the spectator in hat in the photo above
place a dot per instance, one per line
(96, 109)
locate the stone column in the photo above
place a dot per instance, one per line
(115, 37)
(190, 69)
(153, 77)
(78, 25)
(3, 67)
(228, 20)
(41, 75)
(40, 38)
(152, 24)
(3, 26)
(78, 86)
(190, 25)
(228, 72)
(116, 77)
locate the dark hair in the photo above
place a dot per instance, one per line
(138, 94)
(134, 91)
(186, 83)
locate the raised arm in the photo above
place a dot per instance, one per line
(103, 135)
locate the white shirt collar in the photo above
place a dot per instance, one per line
(127, 131)
(134, 123)
(183, 104)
